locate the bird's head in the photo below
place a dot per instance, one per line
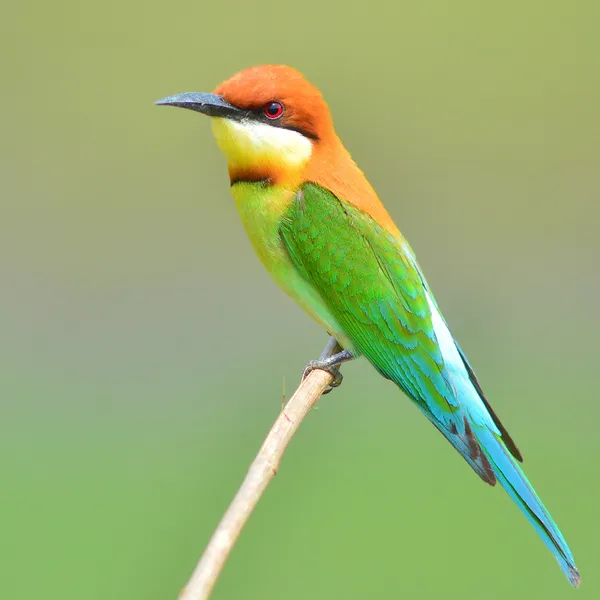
(267, 120)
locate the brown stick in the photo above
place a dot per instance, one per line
(261, 471)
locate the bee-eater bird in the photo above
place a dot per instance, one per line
(324, 236)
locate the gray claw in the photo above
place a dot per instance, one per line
(314, 365)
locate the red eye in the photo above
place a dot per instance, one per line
(273, 110)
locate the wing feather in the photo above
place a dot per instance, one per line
(371, 283)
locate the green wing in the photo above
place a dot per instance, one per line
(371, 284)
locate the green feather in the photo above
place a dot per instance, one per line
(369, 282)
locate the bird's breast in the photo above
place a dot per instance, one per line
(262, 207)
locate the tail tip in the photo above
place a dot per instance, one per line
(574, 576)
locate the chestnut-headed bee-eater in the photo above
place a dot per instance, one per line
(324, 236)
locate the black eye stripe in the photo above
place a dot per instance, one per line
(305, 132)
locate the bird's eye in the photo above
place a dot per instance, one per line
(273, 110)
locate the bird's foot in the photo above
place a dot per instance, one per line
(314, 365)
(330, 360)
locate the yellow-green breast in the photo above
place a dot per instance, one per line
(261, 208)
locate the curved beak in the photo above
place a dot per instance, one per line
(207, 104)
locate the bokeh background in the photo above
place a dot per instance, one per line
(144, 350)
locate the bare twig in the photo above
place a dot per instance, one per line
(261, 471)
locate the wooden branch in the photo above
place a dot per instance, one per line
(261, 471)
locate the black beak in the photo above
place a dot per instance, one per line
(207, 104)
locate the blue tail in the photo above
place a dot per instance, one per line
(513, 480)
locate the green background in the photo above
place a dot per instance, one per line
(144, 349)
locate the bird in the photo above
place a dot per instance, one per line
(324, 236)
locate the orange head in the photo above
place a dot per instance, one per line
(281, 97)
(274, 126)
(266, 120)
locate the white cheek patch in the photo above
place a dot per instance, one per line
(245, 143)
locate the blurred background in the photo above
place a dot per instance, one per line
(144, 349)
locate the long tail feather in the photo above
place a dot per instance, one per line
(513, 480)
